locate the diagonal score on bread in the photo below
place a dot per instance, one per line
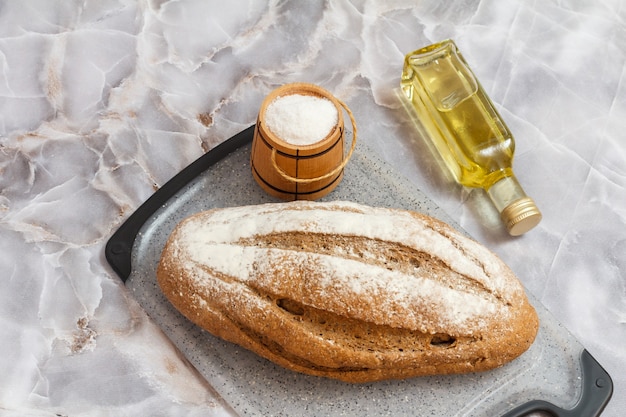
(347, 291)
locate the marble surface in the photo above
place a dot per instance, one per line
(101, 102)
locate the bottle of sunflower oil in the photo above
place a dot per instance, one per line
(467, 131)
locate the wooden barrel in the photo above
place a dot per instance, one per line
(299, 172)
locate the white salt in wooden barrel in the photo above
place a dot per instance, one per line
(298, 145)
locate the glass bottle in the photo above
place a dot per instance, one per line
(469, 134)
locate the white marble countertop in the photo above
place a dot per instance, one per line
(101, 102)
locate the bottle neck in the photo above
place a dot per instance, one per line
(518, 211)
(506, 191)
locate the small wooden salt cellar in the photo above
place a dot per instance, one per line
(300, 172)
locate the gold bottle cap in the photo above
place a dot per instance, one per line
(521, 216)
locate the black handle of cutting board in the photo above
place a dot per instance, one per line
(596, 392)
(119, 248)
(597, 384)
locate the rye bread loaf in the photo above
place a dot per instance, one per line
(347, 291)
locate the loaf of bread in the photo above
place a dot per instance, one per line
(347, 291)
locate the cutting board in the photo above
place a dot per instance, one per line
(556, 375)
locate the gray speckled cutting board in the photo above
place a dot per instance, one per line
(550, 370)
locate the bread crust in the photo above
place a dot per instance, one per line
(347, 291)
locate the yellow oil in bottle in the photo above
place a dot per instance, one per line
(466, 129)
